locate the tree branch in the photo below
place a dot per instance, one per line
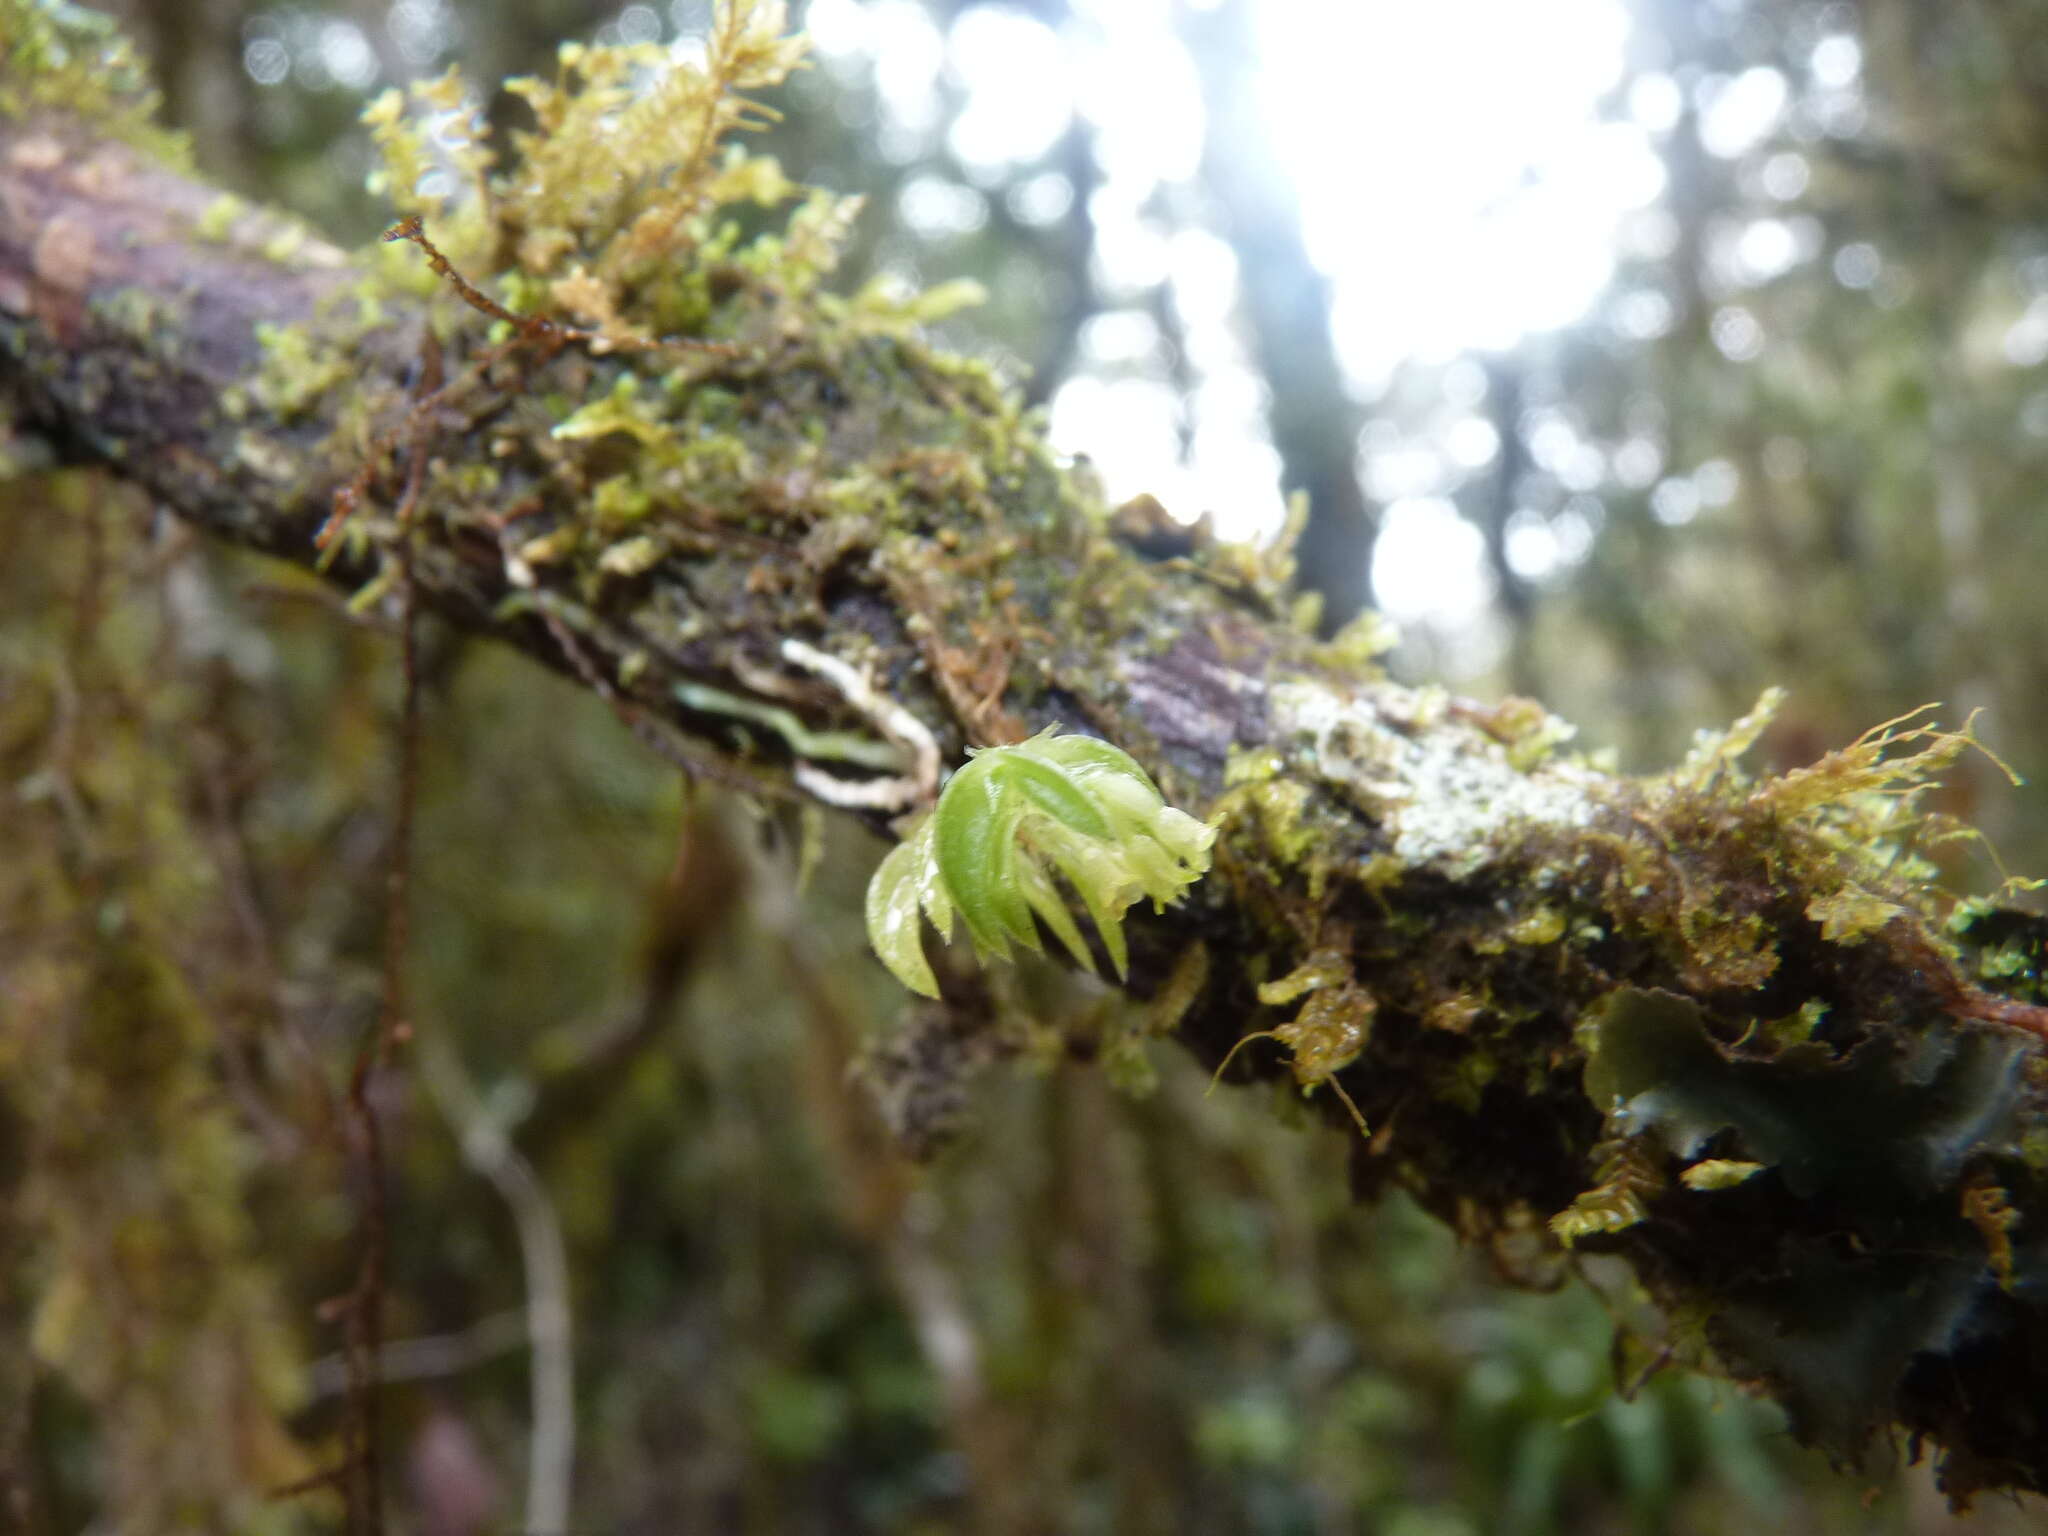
(1707, 1024)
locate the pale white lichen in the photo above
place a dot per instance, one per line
(1449, 795)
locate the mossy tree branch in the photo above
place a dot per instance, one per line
(1719, 1028)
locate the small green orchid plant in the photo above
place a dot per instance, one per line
(1004, 824)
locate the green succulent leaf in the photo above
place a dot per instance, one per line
(892, 905)
(974, 845)
(1014, 817)
(1058, 794)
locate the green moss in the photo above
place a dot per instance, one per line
(61, 57)
(1543, 925)
(1629, 1174)
(1534, 926)
(284, 244)
(1278, 808)
(1852, 914)
(2005, 963)
(266, 456)
(631, 557)
(218, 221)
(1528, 730)
(1357, 647)
(299, 367)
(156, 325)
(1794, 1028)
(622, 411)
(134, 1182)
(1720, 1173)
(1465, 1082)
(1254, 766)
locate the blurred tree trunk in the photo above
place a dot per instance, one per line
(195, 48)
(1286, 301)
(1497, 499)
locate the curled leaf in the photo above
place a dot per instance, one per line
(1006, 824)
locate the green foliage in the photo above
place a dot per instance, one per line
(1005, 823)
(626, 144)
(634, 263)
(55, 54)
(615, 196)
(1846, 832)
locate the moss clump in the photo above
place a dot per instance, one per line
(1703, 859)
(1263, 797)
(55, 55)
(668, 384)
(296, 371)
(1330, 1030)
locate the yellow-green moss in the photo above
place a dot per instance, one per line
(1712, 1173)
(297, 369)
(62, 57)
(218, 221)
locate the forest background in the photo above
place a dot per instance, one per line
(1779, 419)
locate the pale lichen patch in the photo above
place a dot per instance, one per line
(38, 153)
(1449, 796)
(64, 253)
(266, 456)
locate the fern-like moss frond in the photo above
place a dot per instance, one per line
(1010, 820)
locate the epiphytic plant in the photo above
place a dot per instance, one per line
(1009, 819)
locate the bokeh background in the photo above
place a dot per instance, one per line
(1634, 355)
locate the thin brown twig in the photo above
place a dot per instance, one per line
(410, 431)
(546, 337)
(1965, 1000)
(363, 1434)
(538, 328)
(410, 228)
(1989, 1008)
